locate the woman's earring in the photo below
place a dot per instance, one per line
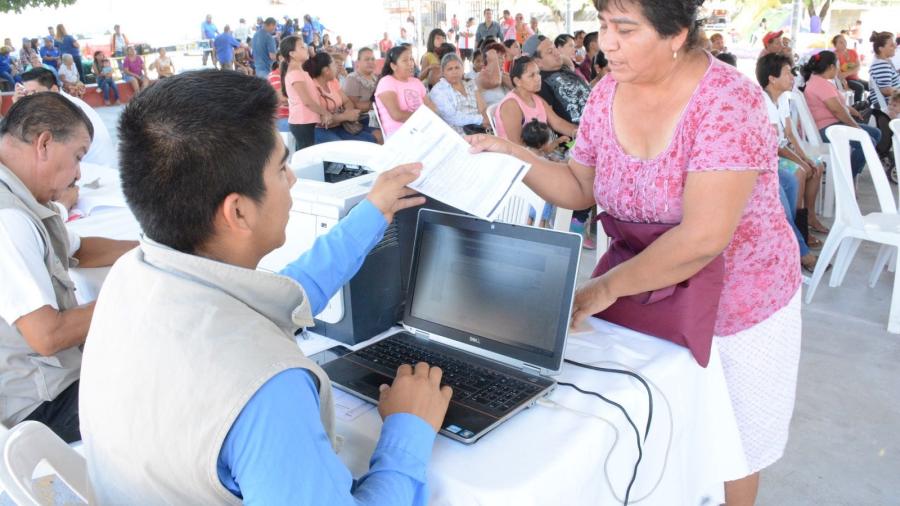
(675, 55)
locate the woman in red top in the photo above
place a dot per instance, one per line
(848, 62)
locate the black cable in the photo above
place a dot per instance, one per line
(637, 433)
(633, 375)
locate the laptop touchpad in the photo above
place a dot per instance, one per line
(362, 380)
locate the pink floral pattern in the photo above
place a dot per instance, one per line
(724, 127)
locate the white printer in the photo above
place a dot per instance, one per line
(331, 179)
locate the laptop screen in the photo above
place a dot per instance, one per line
(504, 288)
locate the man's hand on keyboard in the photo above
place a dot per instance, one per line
(416, 391)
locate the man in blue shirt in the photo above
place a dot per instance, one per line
(225, 45)
(50, 54)
(208, 32)
(309, 29)
(263, 47)
(210, 211)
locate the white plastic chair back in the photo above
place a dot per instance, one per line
(879, 97)
(24, 447)
(518, 208)
(847, 209)
(491, 110)
(804, 126)
(887, 255)
(378, 117)
(895, 140)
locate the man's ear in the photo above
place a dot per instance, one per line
(235, 214)
(42, 145)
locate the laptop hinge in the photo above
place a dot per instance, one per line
(421, 335)
(528, 368)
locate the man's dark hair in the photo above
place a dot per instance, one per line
(270, 22)
(727, 58)
(770, 65)
(667, 17)
(189, 141)
(497, 47)
(600, 60)
(535, 134)
(42, 112)
(562, 39)
(362, 50)
(537, 52)
(443, 49)
(43, 76)
(589, 39)
(487, 41)
(577, 33)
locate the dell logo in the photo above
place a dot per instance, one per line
(474, 340)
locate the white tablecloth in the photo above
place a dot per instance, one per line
(549, 455)
(113, 223)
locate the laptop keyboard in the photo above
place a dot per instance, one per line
(472, 385)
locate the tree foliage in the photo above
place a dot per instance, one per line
(811, 8)
(19, 5)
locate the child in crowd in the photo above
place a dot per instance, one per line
(538, 137)
(894, 106)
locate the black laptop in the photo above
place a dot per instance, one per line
(488, 303)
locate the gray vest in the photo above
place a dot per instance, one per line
(178, 345)
(26, 378)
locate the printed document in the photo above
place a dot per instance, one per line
(479, 184)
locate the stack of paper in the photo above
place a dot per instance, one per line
(99, 187)
(348, 407)
(476, 183)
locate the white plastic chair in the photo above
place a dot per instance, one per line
(24, 447)
(562, 221)
(886, 254)
(850, 226)
(490, 111)
(518, 208)
(811, 142)
(879, 97)
(378, 119)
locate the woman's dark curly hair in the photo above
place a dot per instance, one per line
(668, 17)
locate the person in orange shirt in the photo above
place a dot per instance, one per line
(848, 67)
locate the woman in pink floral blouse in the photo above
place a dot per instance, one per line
(674, 136)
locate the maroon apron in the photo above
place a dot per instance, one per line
(684, 313)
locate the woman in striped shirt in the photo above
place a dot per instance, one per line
(884, 83)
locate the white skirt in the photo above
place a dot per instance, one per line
(760, 365)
